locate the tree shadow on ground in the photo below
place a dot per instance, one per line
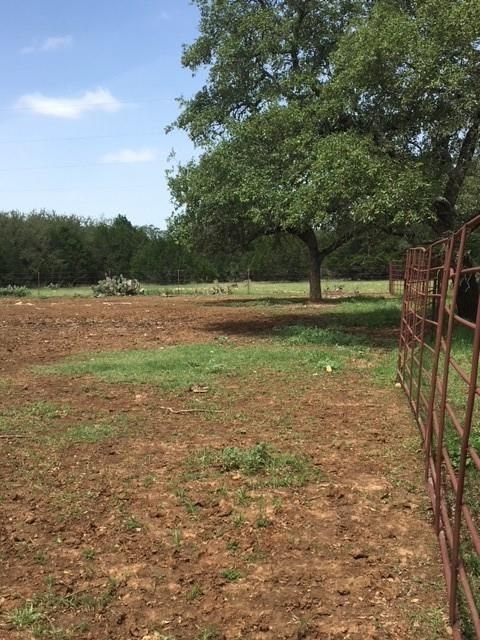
(373, 322)
(273, 301)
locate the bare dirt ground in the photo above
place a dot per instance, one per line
(116, 540)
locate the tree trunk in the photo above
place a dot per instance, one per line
(311, 241)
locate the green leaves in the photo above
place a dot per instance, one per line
(336, 116)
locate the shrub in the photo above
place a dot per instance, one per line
(117, 286)
(15, 292)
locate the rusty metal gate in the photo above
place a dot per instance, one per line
(438, 368)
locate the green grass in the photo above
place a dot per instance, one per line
(46, 421)
(367, 313)
(24, 616)
(37, 613)
(89, 553)
(32, 417)
(384, 371)
(208, 634)
(243, 288)
(182, 366)
(231, 575)
(92, 432)
(194, 592)
(306, 335)
(272, 468)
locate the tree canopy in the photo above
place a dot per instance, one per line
(324, 119)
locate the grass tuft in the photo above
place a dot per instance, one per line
(231, 575)
(24, 616)
(276, 469)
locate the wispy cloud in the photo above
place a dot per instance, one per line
(130, 156)
(53, 43)
(69, 108)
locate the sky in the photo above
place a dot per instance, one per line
(87, 90)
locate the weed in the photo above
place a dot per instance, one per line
(232, 546)
(109, 593)
(36, 614)
(148, 481)
(208, 634)
(242, 497)
(49, 582)
(276, 469)
(262, 522)
(431, 622)
(194, 592)
(177, 538)
(24, 616)
(186, 501)
(132, 524)
(256, 555)
(89, 553)
(222, 491)
(238, 519)
(231, 575)
(277, 503)
(40, 558)
(82, 627)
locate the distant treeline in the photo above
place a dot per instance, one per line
(67, 250)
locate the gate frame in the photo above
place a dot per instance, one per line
(429, 310)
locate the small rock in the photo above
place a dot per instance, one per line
(358, 554)
(225, 509)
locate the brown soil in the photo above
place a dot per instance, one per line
(117, 540)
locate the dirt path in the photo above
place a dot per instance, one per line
(122, 538)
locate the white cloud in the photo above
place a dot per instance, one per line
(53, 43)
(69, 108)
(130, 156)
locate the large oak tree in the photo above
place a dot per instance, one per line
(325, 118)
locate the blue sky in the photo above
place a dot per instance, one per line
(87, 90)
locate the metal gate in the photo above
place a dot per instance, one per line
(438, 369)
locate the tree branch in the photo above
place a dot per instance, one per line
(457, 175)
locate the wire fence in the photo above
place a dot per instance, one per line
(396, 277)
(438, 369)
(184, 281)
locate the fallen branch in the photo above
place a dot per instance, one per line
(15, 435)
(170, 410)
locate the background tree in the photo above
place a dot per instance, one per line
(282, 152)
(409, 73)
